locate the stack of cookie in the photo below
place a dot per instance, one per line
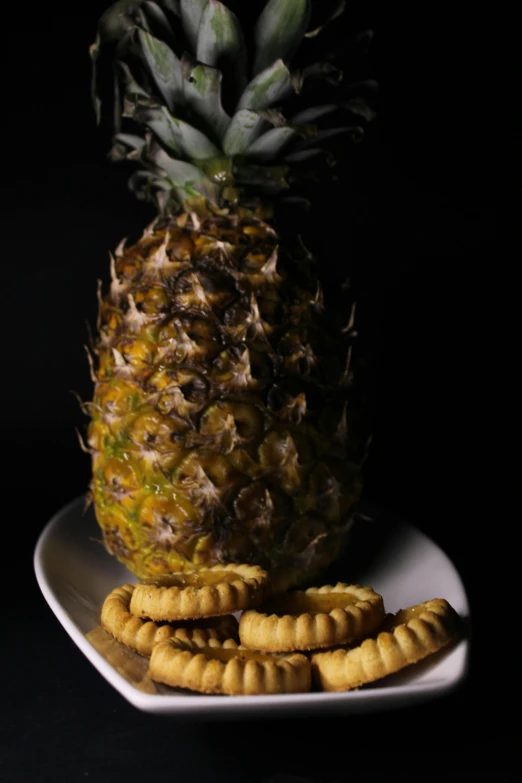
(331, 638)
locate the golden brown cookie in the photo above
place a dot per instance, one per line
(407, 637)
(207, 592)
(141, 635)
(227, 668)
(313, 618)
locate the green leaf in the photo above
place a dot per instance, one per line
(202, 88)
(219, 34)
(131, 140)
(336, 12)
(266, 88)
(126, 147)
(164, 66)
(279, 30)
(361, 107)
(172, 5)
(115, 26)
(94, 52)
(187, 180)
(178, 136)
(117, 20)
(244, 127)
(220, 42)
(322, 70)
(132, 92)
(268, 146)
(314, 113)
(303, 155)
(191, 12)
(151, 13)
(270, 179)
(355, 132)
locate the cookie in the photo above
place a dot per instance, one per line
(313, 618)
(406, 638)
(141, 635)
(207, 592)
(227, 668)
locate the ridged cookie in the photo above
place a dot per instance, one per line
(226, 668)
(313, 618)
(207, 592)
(409, 636)
(141, 635)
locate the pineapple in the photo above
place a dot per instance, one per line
(224, 426)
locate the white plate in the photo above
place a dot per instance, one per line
(75, 574)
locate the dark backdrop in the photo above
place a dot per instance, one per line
(417, 217)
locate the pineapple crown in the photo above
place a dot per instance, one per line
(211, 104)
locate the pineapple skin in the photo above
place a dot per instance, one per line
(220, 430)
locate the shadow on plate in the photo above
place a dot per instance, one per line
(370, 539)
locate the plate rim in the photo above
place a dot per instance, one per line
(193, 705)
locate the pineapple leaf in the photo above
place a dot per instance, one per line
(164, 66)
(219, 34)
(117, 20)
(323, 70)
(221, 44)
(360, 107)
(244, 127)
(186, 178)
(173, 6)
(336, 12)
(94, 52)
(279, 30)
(131, 140)
(355, 131)
(314, 113)
(141, 178)
(270, 85)
(191, 12)
(115, 26)
(126, 146)
(202, 87)
(304, 155)
(176, 135)
(153, 18)
(133, 92)
(270, 179)
(268, 146)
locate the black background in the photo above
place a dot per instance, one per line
(418, 215)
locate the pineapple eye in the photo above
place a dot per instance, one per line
(193, 390)
(208, 284)
(261, 364)
(152, 300)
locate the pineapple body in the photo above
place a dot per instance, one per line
(219, 422)
(224, 426)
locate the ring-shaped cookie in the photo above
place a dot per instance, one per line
(228, 668)
(311, 619)
(407, 637)
(141, 635)
(207, 592)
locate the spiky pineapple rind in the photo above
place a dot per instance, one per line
(209, 432)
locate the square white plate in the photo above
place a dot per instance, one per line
(75, 574)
